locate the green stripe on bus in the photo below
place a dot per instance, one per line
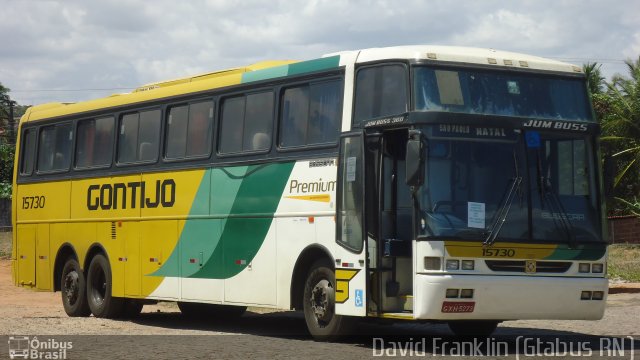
(582, 252)
(292, 69)
(252, 191)
(314, 65)
(264, 74)
(259, 194)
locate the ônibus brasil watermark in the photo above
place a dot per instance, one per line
(520, 347)
(25, 347)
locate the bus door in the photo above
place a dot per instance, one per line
(350, 256)
(392, 271)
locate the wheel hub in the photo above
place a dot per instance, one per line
(321, 301)
(71, 287)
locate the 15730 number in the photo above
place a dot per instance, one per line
(498, 252)
(33, 202)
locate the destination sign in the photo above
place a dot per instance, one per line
(468, 131)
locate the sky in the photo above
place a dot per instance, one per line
(74, 50)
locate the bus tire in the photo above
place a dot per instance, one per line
(471, 328)
(213, 311)
(319, 304)
(99, 284)
(73, 289)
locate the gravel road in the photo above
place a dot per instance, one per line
(259, 333)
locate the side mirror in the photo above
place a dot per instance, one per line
(415, 159)
(609, 175)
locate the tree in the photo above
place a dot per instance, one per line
(619, 114)
(7, 142)
(595, 80)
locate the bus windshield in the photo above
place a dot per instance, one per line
(476, 91)
(508, 189)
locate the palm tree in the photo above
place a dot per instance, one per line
(595, 80)
(621, 128)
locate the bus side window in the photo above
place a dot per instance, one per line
(199, 130)
(311, 114)
(293, 124)
(258, 122)
(139, 137)
(246, 123)
(231, 120)
(94, 142)
(177, 123)
(54, 151)
(380, 91)
(28, 152)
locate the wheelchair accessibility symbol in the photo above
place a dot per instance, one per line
(358, 299)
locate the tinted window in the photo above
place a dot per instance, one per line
(189, 130)
(231, 127)
(501, 93)
(28, 152)
(54, 150)
(258, 122)
(139, 137)
(246, 123)
(177, 124)
(311, 114)
(199, 131)
(380, 91)
(94, 142)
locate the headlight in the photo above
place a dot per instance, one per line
(597, 268)
(584, 267)
(452, 293)
(466, 293)
(453, 264)
(432, 263)
(468, 264)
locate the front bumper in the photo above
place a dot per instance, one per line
(510, 297)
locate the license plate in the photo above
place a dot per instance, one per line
(458, 307)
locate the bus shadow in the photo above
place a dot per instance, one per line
(408, 338)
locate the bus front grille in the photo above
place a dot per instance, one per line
(521, 266)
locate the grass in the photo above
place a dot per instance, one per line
(624, 262)
(5, 245)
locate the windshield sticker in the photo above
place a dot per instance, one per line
(449, 87)
(475, 215)
(351, 169)
(533, 139)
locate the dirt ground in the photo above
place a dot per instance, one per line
(24, 311)
(257, 334)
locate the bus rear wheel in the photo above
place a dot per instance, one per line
(99, 283)
(478, 328)
(319, 304)
(73, 289)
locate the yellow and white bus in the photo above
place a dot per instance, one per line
(420, 183)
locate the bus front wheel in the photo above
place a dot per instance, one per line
(73, 289)
(99, 283)
(319, 304)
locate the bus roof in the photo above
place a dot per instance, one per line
(459, 54)
(273, 69)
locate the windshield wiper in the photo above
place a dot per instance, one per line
(548, 196)
(503, 211)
